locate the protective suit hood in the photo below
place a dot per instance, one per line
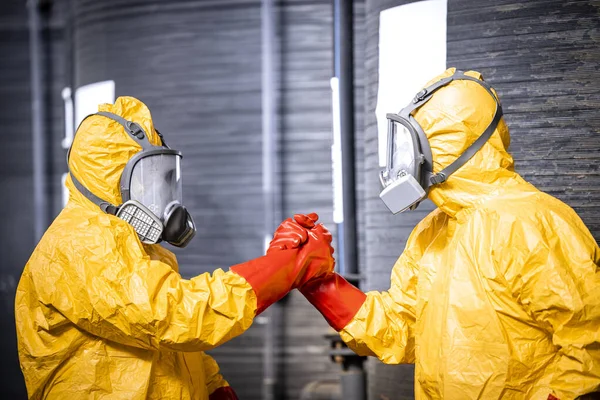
(101, 150)
(452, 120)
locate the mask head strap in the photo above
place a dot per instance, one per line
(136, 132)
(423, 97)
(105, 206)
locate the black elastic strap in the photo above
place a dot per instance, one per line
(425, 95)
(105, 206)
(441, 176)
(134, 130)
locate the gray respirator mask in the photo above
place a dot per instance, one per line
(408, 175)
(150, 188)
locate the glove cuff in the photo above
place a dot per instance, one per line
(223, 393)
(336, 298)
(270, 276)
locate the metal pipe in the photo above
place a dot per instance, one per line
(343, 44)
(271, 190)
(352, 381)
(38, 117)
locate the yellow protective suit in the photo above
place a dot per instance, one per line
(497, 293)
(98, 314)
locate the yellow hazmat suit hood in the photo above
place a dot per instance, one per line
(452, 120)
(497, 292)
(99, 155)
(98, 313)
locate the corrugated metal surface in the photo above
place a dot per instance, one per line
(196, 64)
(16, 235)
(542, 57)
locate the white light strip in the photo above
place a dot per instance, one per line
(336, 154)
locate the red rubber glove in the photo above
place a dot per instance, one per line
(223, 393)
(335, 298)
(284, 267)
(292, 233)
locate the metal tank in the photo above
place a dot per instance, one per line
(31, 195)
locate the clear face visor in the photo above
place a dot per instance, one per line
(156, 182)
(401, 154)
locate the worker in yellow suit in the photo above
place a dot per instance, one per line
(497, 293)
(101, 310)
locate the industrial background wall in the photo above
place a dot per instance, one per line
(16, 159)
(15, 156)
(542, 57)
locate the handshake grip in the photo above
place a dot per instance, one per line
(312, 243)
(335, 298)
(299, 252)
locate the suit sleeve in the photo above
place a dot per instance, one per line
(133, 300)
(384, 326)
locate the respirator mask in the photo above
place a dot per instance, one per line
(150, 188)
(408, 174)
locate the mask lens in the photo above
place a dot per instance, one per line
(403, 151)
(156, 182)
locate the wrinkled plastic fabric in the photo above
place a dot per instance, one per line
(99, 314)
(497, 293)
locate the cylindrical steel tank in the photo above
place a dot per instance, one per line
(17, 237)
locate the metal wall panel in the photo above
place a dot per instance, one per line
(17, 239)
(16, 235)
(542, 57)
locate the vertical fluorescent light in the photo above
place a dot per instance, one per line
(412, 50)
(336, 154)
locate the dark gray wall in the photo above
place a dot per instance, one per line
(542, 57)
(16, 235)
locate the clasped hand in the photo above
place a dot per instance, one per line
(312, 243)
